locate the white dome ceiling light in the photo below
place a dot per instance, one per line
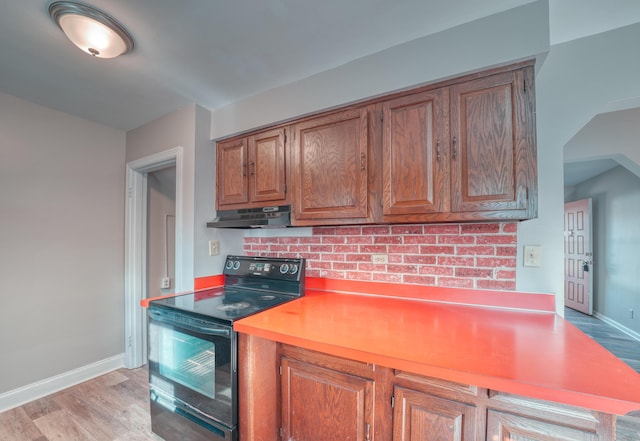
(93, 31)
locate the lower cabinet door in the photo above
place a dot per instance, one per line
(422, 417)
(320, 404)
(503, 426)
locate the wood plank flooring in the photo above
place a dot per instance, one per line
(115, 406)
(112, 407)
(617, 342)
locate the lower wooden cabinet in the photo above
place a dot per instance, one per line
(320, 404)
(418, 416)
(502, 426)
(294, 394)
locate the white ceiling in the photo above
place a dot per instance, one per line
(580, 171)
(214, 52)
(211, 52)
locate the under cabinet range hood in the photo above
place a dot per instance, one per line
(265, 217)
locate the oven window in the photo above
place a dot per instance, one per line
(187, 360)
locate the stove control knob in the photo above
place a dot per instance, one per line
(284, 268)
(236, 265)
(293, 269)
(229, 264)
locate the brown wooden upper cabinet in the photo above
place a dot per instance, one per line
(461, 152)
(415, 154)
(251, 170)
(330, 171)
(493, 160)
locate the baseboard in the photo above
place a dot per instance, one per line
(18, 397)
(630, 332)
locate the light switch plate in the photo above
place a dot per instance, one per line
(214, 247)
(532, 255)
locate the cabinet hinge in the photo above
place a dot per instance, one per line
(280, 369)
(393, 401)
(524, 85)
(381, 116)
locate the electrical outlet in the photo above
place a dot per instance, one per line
(380, 258)
(165, 283)
(214, 247)
(532, 255)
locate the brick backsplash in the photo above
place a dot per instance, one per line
(479, 256)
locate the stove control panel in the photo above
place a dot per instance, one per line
(265, 267)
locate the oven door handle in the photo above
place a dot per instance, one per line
(207, 329)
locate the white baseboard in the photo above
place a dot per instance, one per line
(18, 397)
(630, 332)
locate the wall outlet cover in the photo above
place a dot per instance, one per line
(532, 255)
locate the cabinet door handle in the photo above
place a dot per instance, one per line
(252, 168)
(244, 169)
(438, 150)
(362, 158)
(455, 148)
(368, 434)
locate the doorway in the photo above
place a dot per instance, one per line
(164, 169)
(161, 232)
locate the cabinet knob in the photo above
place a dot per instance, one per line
(368, 434)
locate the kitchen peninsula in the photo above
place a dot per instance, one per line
(375, 361)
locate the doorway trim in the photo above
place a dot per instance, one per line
(135, 259)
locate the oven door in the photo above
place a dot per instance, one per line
(193, 371)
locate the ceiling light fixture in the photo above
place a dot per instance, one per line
(93, 31)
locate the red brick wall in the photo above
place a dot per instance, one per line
(479, 256)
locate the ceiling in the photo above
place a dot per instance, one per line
(580, 171)
(215, 52)
(211, 52)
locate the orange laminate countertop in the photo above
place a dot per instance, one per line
(527, 352)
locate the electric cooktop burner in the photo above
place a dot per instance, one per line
(252, 284)
(232, 306)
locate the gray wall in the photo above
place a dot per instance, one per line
(61, 235)
(175, 129)
(230, 241)
(616, 238)
(577, 81)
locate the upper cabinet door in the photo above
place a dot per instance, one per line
(267, 166)
(493, 165)
(252, 170)
(331, 167)
(415, 149)
(232, 178)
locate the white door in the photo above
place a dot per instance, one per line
(578, 256)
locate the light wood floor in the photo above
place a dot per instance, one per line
(617, 342)
(113, 407)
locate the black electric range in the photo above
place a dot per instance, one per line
(252, 284)
(193, 350)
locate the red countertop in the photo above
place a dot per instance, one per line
(506, 341)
